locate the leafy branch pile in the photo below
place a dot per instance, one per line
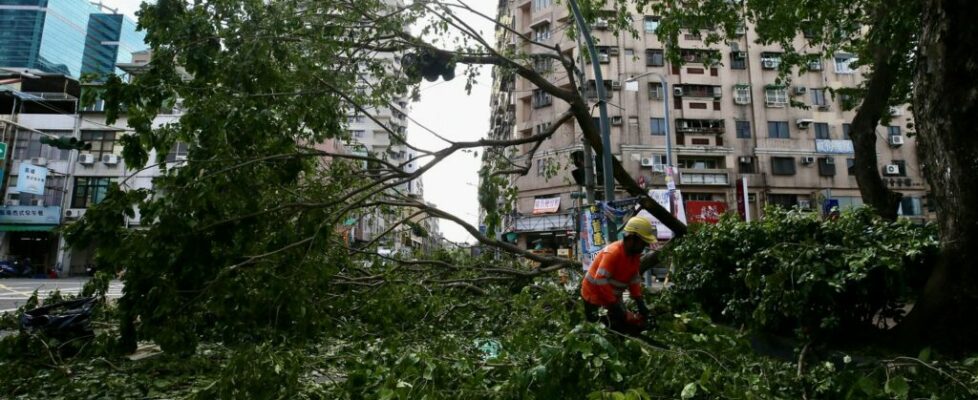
(794, 273)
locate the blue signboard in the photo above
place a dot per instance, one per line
(33, 215)
(30, 179)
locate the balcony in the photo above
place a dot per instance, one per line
(709, 177)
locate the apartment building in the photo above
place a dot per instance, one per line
(726, 121)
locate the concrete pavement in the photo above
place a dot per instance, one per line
(15, 292)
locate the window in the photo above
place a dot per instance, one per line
(770, 60)
(541, 4)
(910, 206)
(702, 197)
(542, 64)
(540, 129)
(53, 192)
(355, 119)
(651, 24)
(843, 64)
(776, 96)
(699, 56)
(778, 130)
(592, 89)
(541, 166)
(541, 98)
(809, 30)
(845, 131)
(699, 163)
(29, 146)
(655, 91)
(826, 166)
(741, 94)
(699, 90)
(822, 130)
(903, 166)
(89, 191)
(743, 129)
(818, 97)
(654, 58)
(358, 133)
(783, 200)
(746, 165)
(541, 33)
(738, 60)
(893, 130)
(179, 150)
(658, 126)
(629, 52)
(102, 142)
(851, 166)
(783, 165)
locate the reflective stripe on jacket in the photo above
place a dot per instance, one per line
(612, 272)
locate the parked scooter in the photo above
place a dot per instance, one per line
(15, 268)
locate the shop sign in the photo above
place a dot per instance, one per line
(546, 206)
(30, 179)
(665, 199)
(708, 212)
(34, 215)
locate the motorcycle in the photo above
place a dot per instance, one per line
(15, 268)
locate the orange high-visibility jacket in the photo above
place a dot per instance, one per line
(610, 274)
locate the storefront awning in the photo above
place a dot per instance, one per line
(27, 228)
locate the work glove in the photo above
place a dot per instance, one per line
(643, 309)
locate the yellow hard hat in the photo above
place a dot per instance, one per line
(643, 228)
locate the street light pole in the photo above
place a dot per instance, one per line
(670, 181)
(609, 179)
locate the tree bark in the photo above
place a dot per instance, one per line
(863, 134)
(946, 110)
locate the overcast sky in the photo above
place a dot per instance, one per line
(447, 110)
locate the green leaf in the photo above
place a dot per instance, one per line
(689, 391)
(868, 385)
(897, 386)
(924, 354)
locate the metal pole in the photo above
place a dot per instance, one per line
(609, 180)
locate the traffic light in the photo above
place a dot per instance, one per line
(577, 159)
(428, 64)
(66, 143)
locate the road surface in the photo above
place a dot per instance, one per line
(14, 292)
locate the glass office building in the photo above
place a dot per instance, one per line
(71, 37)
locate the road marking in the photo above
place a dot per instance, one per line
(9, 289)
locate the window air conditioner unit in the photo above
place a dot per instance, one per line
(739, 55)
(616, 120)
(110, 159)
(803, 123)
(769, 64)
(896, 111)
(37, 202)
(615, 85)
(800, 90)
(604, 58)
(740, 31)
(648, 162)
(744, 160)
(39, 161)
(807, 160)
(896, 140)
(613, 51)
(815, 65)
(600, 24)
(86, 159)
(677, 91)
(829, 161)
(824, 107)
(892, 169)
(717, 92)
(75, 213)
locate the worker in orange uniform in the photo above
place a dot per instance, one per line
(615, 269)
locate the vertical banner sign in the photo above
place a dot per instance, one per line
(30, 179)
(3, 160)
(592, 238)
(741, 199)
(746, 199)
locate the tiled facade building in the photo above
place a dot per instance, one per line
(725, 122)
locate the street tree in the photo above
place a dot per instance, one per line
(917, 52)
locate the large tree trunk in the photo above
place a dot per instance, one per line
(863, 134)
(945, 100)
